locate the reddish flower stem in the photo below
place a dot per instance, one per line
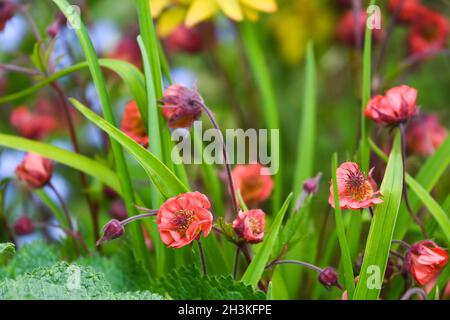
(66, 213)
(202, 257)
(408, 294)
(151, 213)
(402, 243)
(232, 190)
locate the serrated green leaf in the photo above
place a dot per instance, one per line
(188, 283)
(7, 251)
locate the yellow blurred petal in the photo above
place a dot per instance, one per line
(231, 8)
(261, 5)
(199, 11)
(250, 14)
(157, 6)
(170, 20)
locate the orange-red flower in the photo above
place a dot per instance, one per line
(184, 39)
(7, 10)
(406, 10)
(182, 219)
(35, 170)
(181, 106)
(396, 106)
(254, 182)
(249, 225)
(30, 125)
(133, 125)
(429, 33)
(350, 23)
(424, 260)
(356, 191)
(425, 134)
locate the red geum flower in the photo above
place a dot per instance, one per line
(429, 33)
(184, 39)
(133, 125)
(425, 134)
(396, 106)
(424, 260)
(7, 10)
(128, 50)
(249, 225)
(23, 226)
(350, 23)
(181, 106)
(30, 125)
(35, 170)
(356, 191)
(182, 219)
(254, 182)
(406, 10)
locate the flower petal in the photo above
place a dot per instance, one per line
(262, 5)
(231, 8)
(199, 11)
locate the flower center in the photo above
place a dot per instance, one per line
(183, 219)
(254, 225)
(357, 186)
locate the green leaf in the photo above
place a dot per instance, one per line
(7, 251)
(188, 283)
(256, 268)
(345, 251)
(307, 133)
(63, 281)
(131, 76)
(71, 159)
(166, 182)
(382, 228)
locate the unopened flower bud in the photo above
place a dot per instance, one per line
(181, 106)
(311, 186)
(23, 226)
(112, 230)
(328, 277)
(35, 170)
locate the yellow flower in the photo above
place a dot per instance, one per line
(296, 23)
(172, 13)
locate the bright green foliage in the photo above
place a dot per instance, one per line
(189, 283)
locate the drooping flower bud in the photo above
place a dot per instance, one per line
(249, 225)
(112, 230)
(395, 107)
(329, 277)
(23, 226)
(424, 260)
(181, 106)
(35, 170)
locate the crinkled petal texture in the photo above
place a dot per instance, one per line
(35, 170)
(182, 219)
(249, 225)
(133, 125)
(397, 105)
(356, 191)
(254, 182)
(425, 260)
